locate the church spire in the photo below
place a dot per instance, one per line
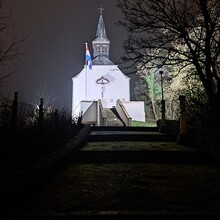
(101, 25)
(101, 43)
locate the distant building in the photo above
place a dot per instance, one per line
(104, 81)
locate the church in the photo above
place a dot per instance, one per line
(101, 86)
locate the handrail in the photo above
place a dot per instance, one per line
(90, 114)
(103, 116)
(123, 113)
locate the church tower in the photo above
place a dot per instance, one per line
(103, 83)
(104, 80)
(101, 43)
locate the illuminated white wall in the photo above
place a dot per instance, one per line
(78, 93)
(86, 88)
(135, 110)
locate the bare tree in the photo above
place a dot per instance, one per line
(171, 32)
(9, 44)
(49, 99)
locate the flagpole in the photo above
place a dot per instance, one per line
(86, 76)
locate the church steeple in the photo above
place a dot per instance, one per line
(101, 43)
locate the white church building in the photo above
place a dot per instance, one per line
(103, 87)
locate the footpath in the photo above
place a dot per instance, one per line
(127, 172)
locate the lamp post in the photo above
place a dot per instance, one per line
(161, 81)
(163, 120)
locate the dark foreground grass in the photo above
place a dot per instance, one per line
(130, 188)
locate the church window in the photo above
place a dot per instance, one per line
(98, 48)
(105, 48)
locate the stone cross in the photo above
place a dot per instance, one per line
(102, 81)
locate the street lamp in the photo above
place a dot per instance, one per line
(163, 110)
(161, 81)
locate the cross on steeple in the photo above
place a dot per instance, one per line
(101, 9)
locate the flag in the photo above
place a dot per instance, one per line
(88, 57)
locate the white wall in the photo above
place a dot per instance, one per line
(135, 109)
(118, 87)
(90, 115)
(78, 93)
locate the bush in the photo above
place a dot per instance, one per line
(29, 140)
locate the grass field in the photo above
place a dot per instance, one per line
(133, 188)
(149, 123)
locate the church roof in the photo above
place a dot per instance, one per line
(102, 60)
(101, 32)
(101, 39)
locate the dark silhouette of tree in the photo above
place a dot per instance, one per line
(9, 44)
(176, 32)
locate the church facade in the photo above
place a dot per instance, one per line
(103, 80)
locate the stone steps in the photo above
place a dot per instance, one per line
(112, 118)
(127, 173)
(147, 156)
(137, 144)
(129, 134)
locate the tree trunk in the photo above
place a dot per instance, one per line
(215, 112)
(154, 109)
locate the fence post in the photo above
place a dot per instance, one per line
(163, 118)
(56, 117)
(14, 111)
(41, 112)
(182, 137)
(183, 124)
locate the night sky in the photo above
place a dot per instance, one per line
(55, 49)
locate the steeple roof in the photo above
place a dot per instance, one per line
(101, 43)
(101, 32)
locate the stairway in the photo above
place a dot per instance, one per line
(136, 144)
(130, 173)
(113, 119)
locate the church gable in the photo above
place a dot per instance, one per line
(109, 83)
(102, 60)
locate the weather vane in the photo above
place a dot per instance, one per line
(101, 9)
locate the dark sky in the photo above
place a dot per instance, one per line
(55, 50)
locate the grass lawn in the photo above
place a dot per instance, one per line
(132, 188)
(149, 123)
